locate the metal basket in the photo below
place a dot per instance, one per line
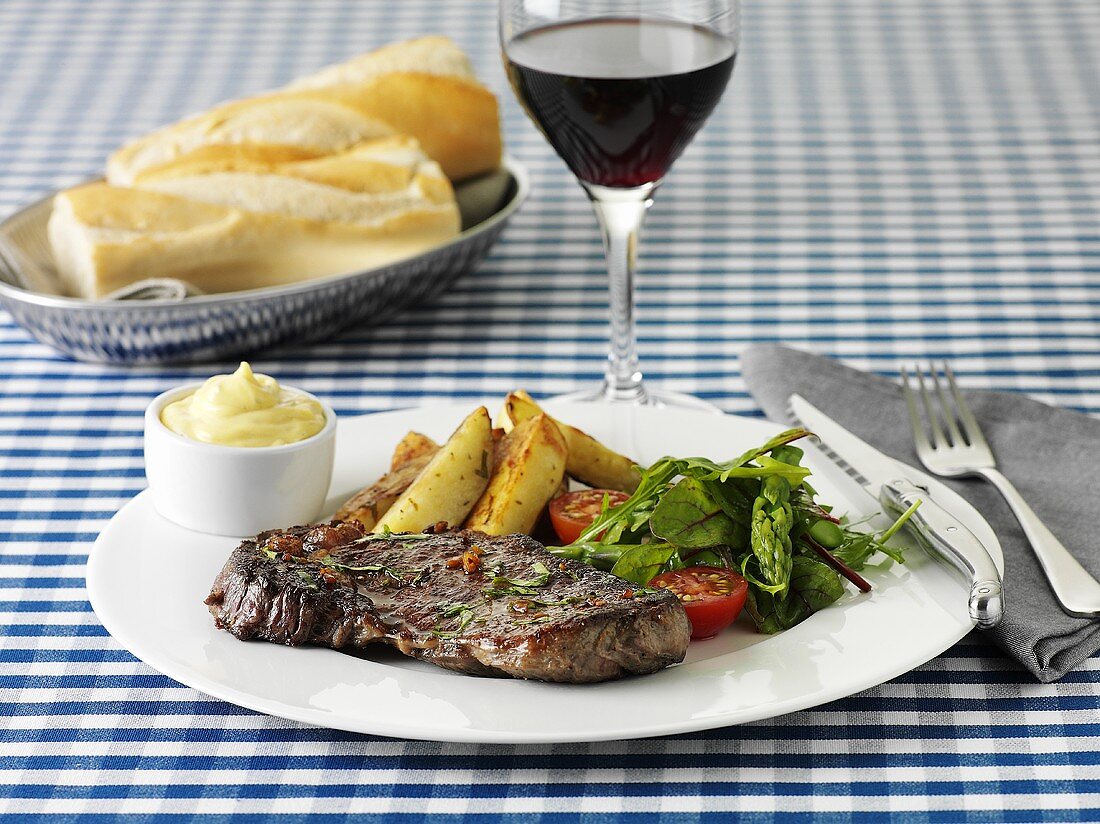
(214, 327)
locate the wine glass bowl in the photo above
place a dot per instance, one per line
(619, 89)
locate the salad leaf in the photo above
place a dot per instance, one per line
(633, 514)
(716, 556)
(642, 562)
(606, 556)
(757, 508)
(788, 454)
(813, 586)
(688, 516)
(782, 439)
(767, 468)
(735, 496)
(856, 548)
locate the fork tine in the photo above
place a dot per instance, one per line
(947, 409)
(919, 435)
(939, 440)
(970, 425)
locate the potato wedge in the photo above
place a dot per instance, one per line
(504, 417)
(503, 420)
(589, 460)
(370, 503)
(529, 467)
(412, 446)
(448, 487)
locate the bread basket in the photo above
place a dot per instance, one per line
(218, 326)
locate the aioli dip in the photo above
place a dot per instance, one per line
(244, 409)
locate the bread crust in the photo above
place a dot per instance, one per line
(454, 118)
(346, 169)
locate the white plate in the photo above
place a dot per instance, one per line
(147, 579)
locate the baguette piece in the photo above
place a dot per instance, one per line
(256, 223)
(434, 55)
(366, 186)
(424, 88)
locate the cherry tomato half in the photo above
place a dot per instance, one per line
(712, 596)
(572, 513)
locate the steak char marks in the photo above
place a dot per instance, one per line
(463, 600)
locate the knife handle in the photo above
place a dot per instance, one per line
(948, 538)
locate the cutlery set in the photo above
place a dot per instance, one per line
(950, 444)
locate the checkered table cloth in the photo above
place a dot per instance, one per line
(885, 180)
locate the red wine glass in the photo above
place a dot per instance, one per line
(619, 88)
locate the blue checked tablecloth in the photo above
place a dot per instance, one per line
(885, 180)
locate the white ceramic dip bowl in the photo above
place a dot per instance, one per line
(233, 490)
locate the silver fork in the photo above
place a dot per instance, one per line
(958, 449)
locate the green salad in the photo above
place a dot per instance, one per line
(756, 515)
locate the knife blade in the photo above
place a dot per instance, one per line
(896, 487)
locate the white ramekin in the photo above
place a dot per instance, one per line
(233, 490)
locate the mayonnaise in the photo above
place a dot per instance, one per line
(244, 409)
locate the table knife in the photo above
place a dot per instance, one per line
(896, 487)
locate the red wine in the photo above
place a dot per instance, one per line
(619, 98)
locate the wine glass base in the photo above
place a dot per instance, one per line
(658, 398)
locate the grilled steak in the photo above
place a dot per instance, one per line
(462, 600)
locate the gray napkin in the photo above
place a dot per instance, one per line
(1051, 455)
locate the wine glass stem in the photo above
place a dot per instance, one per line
(621, 213)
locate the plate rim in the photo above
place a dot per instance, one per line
(10, 291)
(192, 678)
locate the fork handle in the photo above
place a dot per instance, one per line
(1076, 590)
(948, 539)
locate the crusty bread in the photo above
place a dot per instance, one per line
(434, 54)
(365, 186)
(344, 169)
(255, 222)
(424, 88)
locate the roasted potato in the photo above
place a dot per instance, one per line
(412, 446)
(411, 455)
(374, 501)
(453, 480)
(529, 467)
(504, 420)
(589, 460)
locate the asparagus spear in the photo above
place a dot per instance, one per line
(601, 556)
(770, 538)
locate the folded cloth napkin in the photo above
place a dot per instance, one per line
(1051, 455)
(155, 289)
